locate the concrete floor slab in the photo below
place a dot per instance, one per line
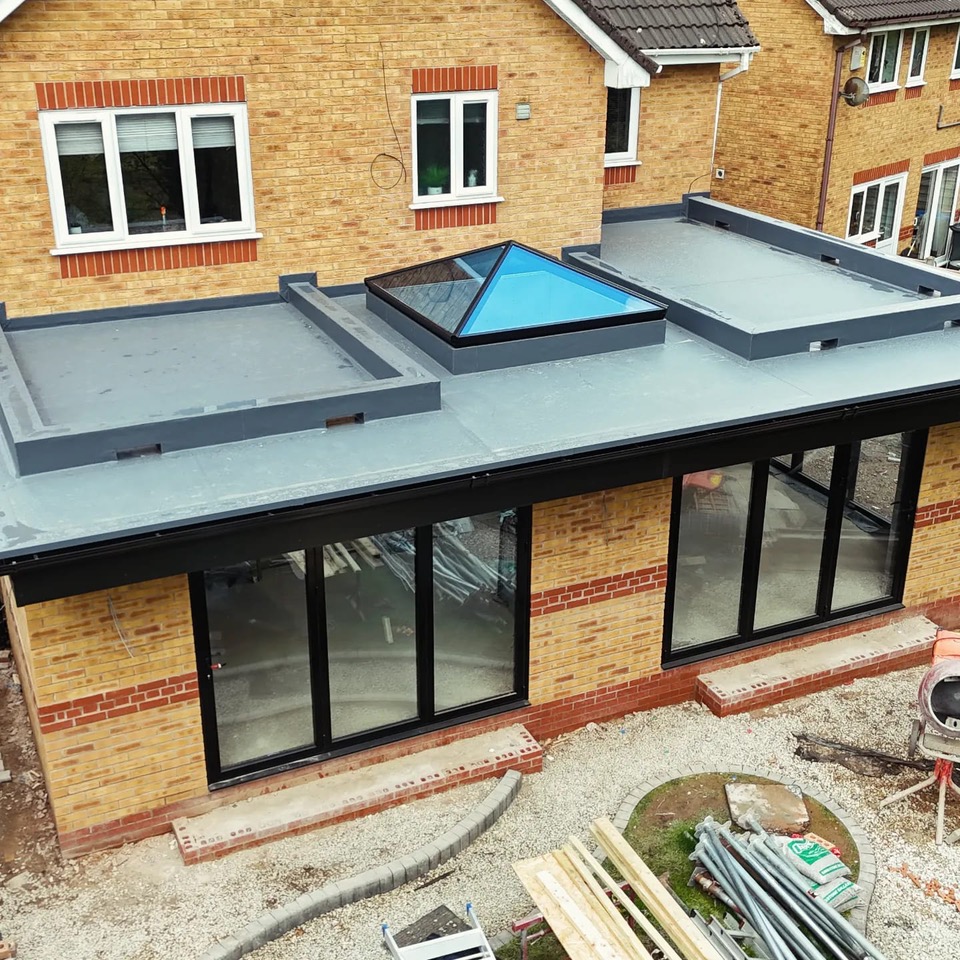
(353, 794)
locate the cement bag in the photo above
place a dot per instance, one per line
(812, 859)
(842, 894)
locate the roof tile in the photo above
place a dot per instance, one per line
(862, 13)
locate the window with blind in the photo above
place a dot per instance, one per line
(148, 176)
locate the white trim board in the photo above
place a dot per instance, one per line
(7, 7)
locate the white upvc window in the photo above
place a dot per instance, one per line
(876, 210)
(955, 70)
(454, 147)
(936, 210)
(148, 176)
(623, 126)
(918, 57)
(883, 64)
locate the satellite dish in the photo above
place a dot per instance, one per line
(855, 91)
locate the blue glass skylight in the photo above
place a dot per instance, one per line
(506, 292)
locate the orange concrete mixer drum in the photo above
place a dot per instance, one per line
(938, 701)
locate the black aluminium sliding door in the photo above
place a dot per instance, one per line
(325, 650)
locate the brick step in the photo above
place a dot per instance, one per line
(795, 673)
(346, 796)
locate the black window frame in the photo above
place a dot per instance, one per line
(842, 479)
(429, 719)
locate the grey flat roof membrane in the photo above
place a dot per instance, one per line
(521, 415)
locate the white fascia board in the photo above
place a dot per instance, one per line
(7, 7)
(831, 25)
(671, 58)
(621, 69)
(911, 25)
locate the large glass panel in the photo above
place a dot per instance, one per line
(618, 120)
(150, 169)
(944, 213)
(474, 608)
(869, 533)
(884, 57)
(856, 214)
(371, 631)
(215, 160)
(870, 208)
(923, 215)
(257, 615)
(475, 144)
(714, 506)
(916, 57)
(433, 147)
(83, 173)
(794, 520)
(888, 210)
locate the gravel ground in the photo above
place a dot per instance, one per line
(140, 903)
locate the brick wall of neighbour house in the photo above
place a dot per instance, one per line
(773, 118)
(313, 79)
(675, 140)
(896, 131)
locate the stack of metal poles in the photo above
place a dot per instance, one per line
(775, 898)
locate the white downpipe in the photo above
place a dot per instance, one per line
(743, 66)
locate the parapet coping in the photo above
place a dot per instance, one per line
(273, 924)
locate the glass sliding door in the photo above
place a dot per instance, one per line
(936, 206)
(474, 608)
(259, 658)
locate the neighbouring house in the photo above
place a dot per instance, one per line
(310, 459)
(883, 172)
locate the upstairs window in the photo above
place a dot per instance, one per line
(623, 121)
(148, 176)
(883, 68)
(918, 57)
(955, 72)
(454, 147)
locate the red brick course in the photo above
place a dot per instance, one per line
(453, 79)
(182, 256)
(912, 93)
(941, 156)
(116, 703)
(140, 93)
(877, 173)
(615, 175)
(933, 513)
(597, 590)
(467, 215)
(888, 96)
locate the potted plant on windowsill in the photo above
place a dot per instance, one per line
(435, 178)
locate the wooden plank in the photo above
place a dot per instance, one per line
(638, 915)
(579, 874)
(655, 897)
(334, 558)
(347, 556)
(576, 931)
(369, 546)
(365, 556)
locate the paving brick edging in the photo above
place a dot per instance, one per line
(275, 923)
(868, 860)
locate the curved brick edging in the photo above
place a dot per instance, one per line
(275, 923)
(868, 860)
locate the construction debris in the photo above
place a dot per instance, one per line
(930, 888)
(8, 949)
(777, 807)
(869, 763)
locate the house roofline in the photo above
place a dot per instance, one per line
(679, 56)
(838, 27)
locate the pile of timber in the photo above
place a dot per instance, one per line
(576, 896)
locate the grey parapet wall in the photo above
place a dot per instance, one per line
(388, 384)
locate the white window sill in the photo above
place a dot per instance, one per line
(621, 163)
(955, 75)
(916, 83)
(448, 201)
(882, 87)
(149, 241)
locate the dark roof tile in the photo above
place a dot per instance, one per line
(863, 13)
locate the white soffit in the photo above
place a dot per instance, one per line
(620, 69)
(831, 24)
(7, 7)
(683, 56)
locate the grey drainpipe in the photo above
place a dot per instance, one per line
(831, 129)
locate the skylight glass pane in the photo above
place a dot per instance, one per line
(530, 290)
(442, 291)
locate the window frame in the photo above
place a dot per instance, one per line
(747, 634)
(918, 80)
(629, 156)
(955, 68)
(458, 195)
(120, 237)
(926, 241)
(880, 86)
(882, 183)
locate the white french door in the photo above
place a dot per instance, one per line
(876, 211)
(936, 210)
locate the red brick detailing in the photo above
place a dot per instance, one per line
(116, 703)
(615, 175)
(888, 96)
(469, 215)
(452, 79)
(139, 93)
(594, 591)
(906, 232)
(157, 258)
(941, 156)
(955, 84)
(877, 173)
(930, 514)
(912, 93)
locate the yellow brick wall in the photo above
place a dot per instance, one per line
(932, 570)
(871, 136)
(116, 765)
(773, 118)
(581, 648)
(675, 141)
(318, 119)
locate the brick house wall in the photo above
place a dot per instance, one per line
(675, 141)
(313, 78)
(773, 118)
